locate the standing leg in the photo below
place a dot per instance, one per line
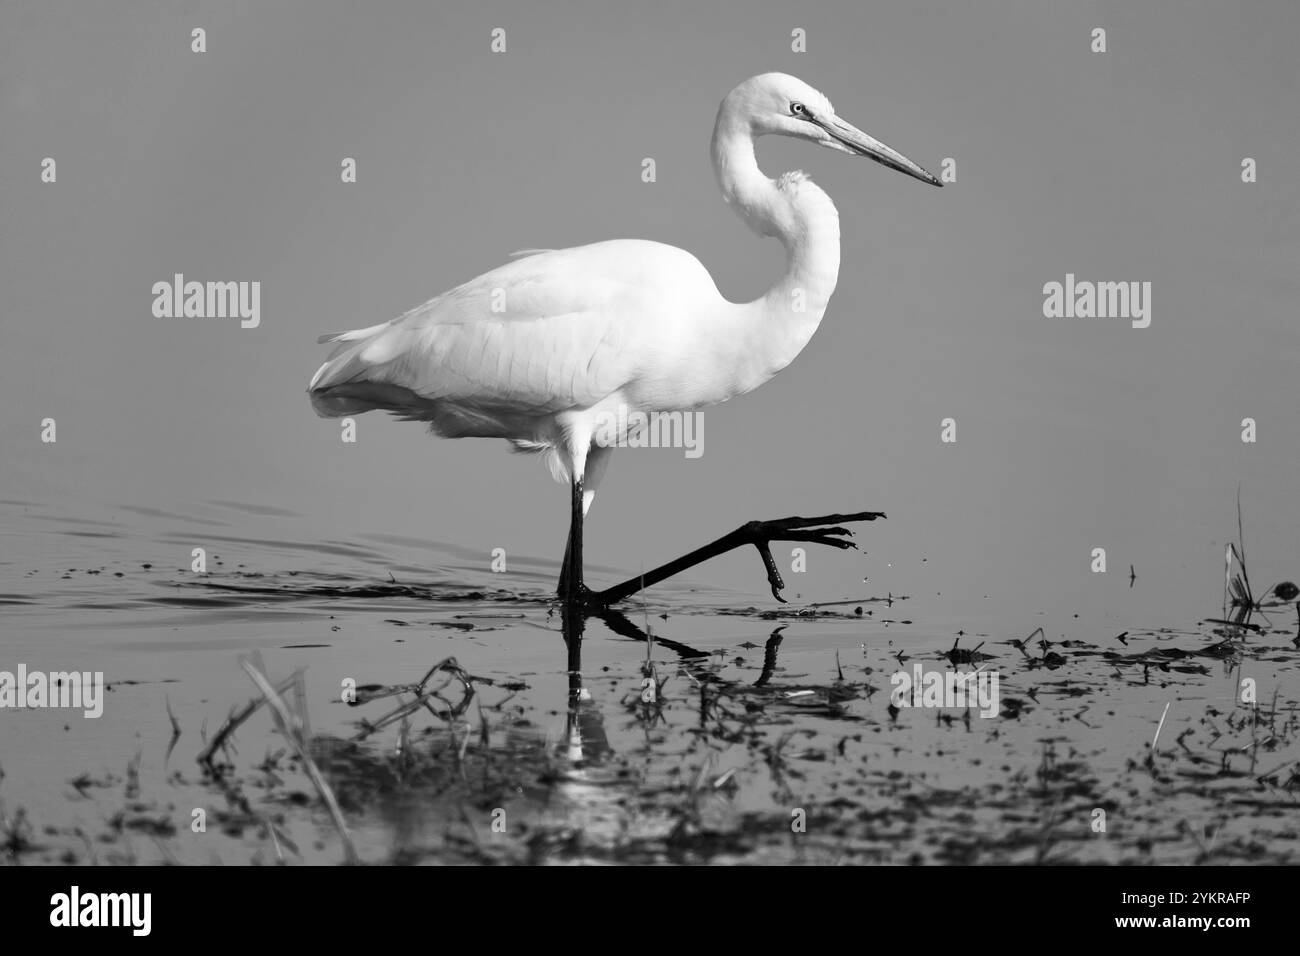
(587, 465)
(563, 587)
(571, 590)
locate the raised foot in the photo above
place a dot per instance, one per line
(825, 529)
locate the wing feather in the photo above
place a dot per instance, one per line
(538, 335)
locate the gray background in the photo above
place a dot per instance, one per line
(1072, 434)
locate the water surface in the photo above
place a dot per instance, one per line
(770, 737)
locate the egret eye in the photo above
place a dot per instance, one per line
(797, 109)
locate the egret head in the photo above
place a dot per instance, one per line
(784, 105)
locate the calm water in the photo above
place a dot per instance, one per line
(770, 739)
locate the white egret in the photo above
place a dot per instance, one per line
(549, 348)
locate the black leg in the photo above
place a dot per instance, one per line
(571, 589)
(572, 624)
(563, 587)
(760, 534)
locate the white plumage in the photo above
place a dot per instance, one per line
(536, 350)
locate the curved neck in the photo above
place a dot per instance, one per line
(792, 209)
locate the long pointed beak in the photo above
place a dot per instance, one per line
(852, 140)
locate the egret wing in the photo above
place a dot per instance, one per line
(535, 336)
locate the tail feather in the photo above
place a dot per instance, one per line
(353, 398)
(352, 335)
(344, 386)
(345, 365)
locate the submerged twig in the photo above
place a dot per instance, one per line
(291, 729)
(1159, 727)
(176, 730)
(422, 697)
(235, 720)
